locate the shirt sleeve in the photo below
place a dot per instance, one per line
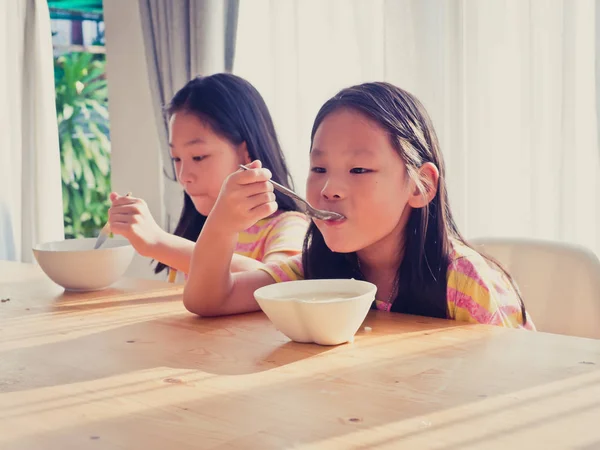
(289, 269)
(478, 293)
(287, 234)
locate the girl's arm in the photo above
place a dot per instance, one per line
(240, 263)
(176, 252)
(131, 218)
(212, 289)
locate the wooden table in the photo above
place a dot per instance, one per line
(130, 368)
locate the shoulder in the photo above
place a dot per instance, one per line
(279, 220)
(479, 291)
(285, 228)
(289, 269)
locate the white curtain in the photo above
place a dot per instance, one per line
(183, 39)
(510, 86)
(30, 185)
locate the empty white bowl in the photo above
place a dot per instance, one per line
(326, 312)
(76, 266)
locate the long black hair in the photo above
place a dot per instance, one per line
(421, 277)
(236, 111)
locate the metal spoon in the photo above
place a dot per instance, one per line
(307, 208)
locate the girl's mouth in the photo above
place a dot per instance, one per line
(335, 222)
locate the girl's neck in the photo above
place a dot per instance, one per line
(386, 254)
(380, 258)
(381, 269)
(379, 263)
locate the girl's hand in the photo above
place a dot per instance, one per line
(131, 218)
(246, 197)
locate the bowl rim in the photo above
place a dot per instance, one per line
(372, 290)
(37, 247)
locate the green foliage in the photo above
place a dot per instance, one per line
(82, 113)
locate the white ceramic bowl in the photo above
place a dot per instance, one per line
(326, 312)
(76, 266)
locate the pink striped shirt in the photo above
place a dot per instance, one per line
(477, 291)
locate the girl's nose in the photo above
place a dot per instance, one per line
(333, 190)
(185, 175)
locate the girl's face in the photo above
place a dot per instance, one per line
(355, 171)
(202, 159)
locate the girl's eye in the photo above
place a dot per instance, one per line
(175, 159)
(359, 170)
(318, 170)
(198, 158)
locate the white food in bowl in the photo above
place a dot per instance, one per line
(76, 266)
(326, 312)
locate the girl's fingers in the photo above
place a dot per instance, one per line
(121, 201)
(127, 199)
(264, 209)
(124, 219)
(256, 164)
(252, 176)
(249, 190)
(125, 209)
(263, 197)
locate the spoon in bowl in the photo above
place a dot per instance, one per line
(104, 233)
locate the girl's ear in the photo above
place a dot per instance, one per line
(425, 189)
(243, 153)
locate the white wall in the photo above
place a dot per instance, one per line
(136, 166)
